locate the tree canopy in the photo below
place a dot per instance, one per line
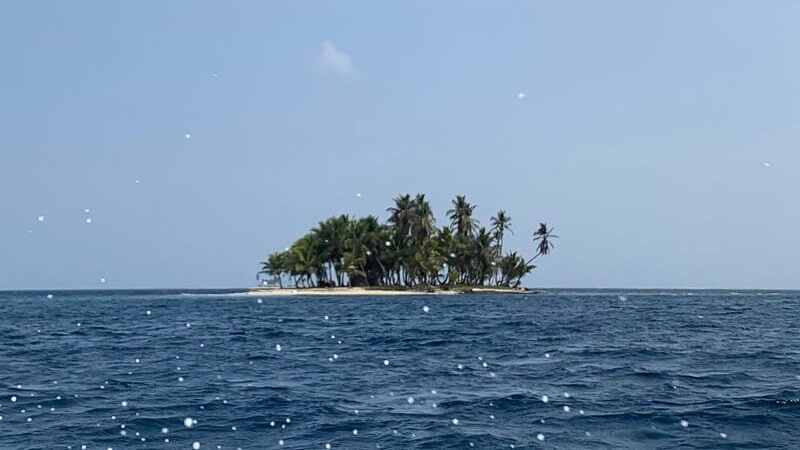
(409, 250)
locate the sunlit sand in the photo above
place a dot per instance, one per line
(374, 292)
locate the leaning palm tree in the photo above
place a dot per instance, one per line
(543, 236)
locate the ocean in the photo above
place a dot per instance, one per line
(572, 369)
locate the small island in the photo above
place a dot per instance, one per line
(408, 254)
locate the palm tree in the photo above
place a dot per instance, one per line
(401, 214)
(428, 262)
(361, 243)
(513, 267)
(424, 224)
(274, 266)
(304, 259)
(409, 250)
(332, 233)
(461, 216)
(543, 236)
(483, 257)
(500, 224)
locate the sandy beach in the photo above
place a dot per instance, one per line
(342, 291)
(346, 291)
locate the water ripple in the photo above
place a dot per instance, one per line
(571, 370)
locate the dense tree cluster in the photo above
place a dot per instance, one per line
(407, 251)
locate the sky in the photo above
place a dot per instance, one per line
(659, 139)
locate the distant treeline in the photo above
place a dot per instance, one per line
(407, 251)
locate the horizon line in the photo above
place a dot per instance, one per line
(3, 290)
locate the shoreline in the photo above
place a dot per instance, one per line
(358, 291)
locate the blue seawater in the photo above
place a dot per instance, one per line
(632, 369)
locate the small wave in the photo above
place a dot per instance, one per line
(582, 374)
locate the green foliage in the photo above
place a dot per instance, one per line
(407, 251)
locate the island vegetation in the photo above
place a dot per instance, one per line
(409, 251)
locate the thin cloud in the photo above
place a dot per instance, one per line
(336, 61)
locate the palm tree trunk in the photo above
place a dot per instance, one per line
(534, 257)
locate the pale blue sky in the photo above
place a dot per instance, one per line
(641, 138)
